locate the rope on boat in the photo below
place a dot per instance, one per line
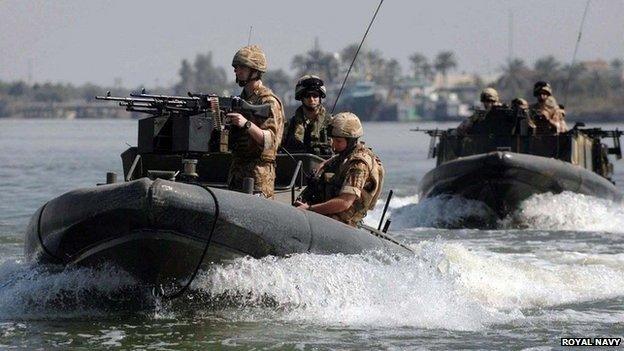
(203, 255)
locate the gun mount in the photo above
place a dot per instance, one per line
(184, 124)
(503, 129)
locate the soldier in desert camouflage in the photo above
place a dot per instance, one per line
(547, 116)
(254, 141)
(351, 181)
(489, 98)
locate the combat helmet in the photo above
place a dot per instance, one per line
(251, 56)
(520, 103)
(308, 83)
(489, 94)
(345, 125)
(541, 86)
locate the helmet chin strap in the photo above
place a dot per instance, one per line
(351, 143)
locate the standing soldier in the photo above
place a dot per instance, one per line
(306, 130)
(255, 141)
(489, 98)
(351, 181)
(547, 116)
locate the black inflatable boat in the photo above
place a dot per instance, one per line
(158, 230)
(501, 161)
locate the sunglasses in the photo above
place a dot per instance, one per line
(308, 95)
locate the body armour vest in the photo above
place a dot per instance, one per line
(547, 117)
(361, 169)
(242, 145)
(304, 135)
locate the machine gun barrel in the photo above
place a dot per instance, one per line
(122, 99)
(431, 132)
(194, 103)
(165, 97)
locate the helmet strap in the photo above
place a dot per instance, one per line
(351, 144)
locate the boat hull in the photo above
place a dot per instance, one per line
(158, 230)
(502, 180)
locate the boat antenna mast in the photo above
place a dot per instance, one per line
(355, 56)
(576, 46)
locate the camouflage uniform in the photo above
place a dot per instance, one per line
(250, 159)
(359, 173)
(309, 135)
(488, 94)
(548, 117)
(478, 116)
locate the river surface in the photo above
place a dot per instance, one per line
(561, 275)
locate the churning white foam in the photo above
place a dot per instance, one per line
(568, 211)
(565, 211)
(355, 290)
(444, 285)
(506, 281)
(37, 292)
(438, 212)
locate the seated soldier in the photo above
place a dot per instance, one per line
(351, 181)
(305, 132)
(489, 99)
(546, 115)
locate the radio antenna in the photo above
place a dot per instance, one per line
(576, 46)
(249, 36)
(355, 56)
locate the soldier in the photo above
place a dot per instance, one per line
(489, 98)
(306, 130)
(254, 141)
(520, 103)
(547, 116)
(351, 181)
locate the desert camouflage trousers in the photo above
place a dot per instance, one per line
(262, 172)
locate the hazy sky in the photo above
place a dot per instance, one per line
(143, 42)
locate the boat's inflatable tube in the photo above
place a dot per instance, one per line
(157, 230)
(504, 179)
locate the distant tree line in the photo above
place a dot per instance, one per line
(583, 89)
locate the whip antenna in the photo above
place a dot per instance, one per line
(578, 41)
(355, 56)
(249, 36)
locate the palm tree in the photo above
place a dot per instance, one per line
(548, 69)
(420, 65)
(390, 75)
(516, 79)
(374, 65)
(315, 61)
(573, 83)
(444, 62)
(347, 54)
(279, 81)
